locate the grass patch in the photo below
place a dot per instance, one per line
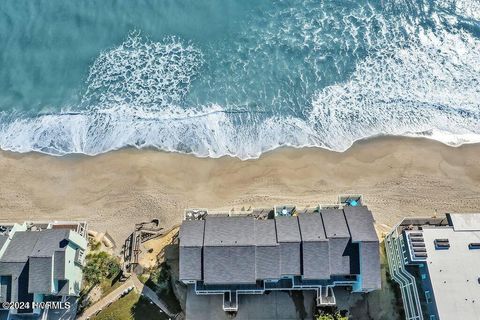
(143, 278)
(131, 307)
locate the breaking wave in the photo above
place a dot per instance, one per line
(413, 74)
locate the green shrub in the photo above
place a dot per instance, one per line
(100, 266)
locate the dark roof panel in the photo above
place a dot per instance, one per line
(229, 231)
(35, 244)
(370, 265)
(360, 223)
(59, 262)
(3, 239)
(316, 260)
(49, 241)
(265, 233)
(287, 229)
(339, 263)
(40, 275)
(267, 259)
(229, 264)
(190, 263)
(290, 258)
(191, 233)
(20, 246)
(311, 227)
(335, 223)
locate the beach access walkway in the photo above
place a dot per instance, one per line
(408, 287)
(117, 294)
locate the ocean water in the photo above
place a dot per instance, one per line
(238, 78)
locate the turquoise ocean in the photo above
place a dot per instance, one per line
(238, 78)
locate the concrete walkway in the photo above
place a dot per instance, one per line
(117, 293)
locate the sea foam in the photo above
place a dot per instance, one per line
(408, 80)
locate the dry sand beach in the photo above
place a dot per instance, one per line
(398, 177)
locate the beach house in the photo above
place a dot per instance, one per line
(40, 263)
(248, 254)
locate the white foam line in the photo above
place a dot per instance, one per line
(414, 82)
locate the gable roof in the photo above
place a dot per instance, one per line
(229, 264)
(287, 229)
(20, 247)
(311, 227)
(240, 250)
(265, 233)
(229, 231)
(40, 275)
(335, 223)
(191, 233)
(360, 222)
(25, 244)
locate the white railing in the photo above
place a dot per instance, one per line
(407, 283)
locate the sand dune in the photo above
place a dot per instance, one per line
(398, 177)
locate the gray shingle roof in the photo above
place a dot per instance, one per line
(191, 263)
(229, 264)
(229, 231)
(191, 233)
(311, 227)
(40, 275)
(370, 265)
(267, 253)
(26, 244)
(335, 223)
(316, 260)
(59, 263)
(339, 264)
(267, 259)
(3, 239)
(360, 223)
(20, 247)
(265, 233)
(49, 241)
(239, 250)
(287, 229)
(290, 258)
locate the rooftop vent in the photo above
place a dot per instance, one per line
(474, 245)
(441, 244)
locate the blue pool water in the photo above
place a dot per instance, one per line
(217, 77)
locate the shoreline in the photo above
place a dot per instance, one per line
(417, 136)
(398, 176)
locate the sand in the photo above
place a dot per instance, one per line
(397, 176)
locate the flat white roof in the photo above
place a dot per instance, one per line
(465, 221)
(454, 273)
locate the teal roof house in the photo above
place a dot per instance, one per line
(40, 263)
